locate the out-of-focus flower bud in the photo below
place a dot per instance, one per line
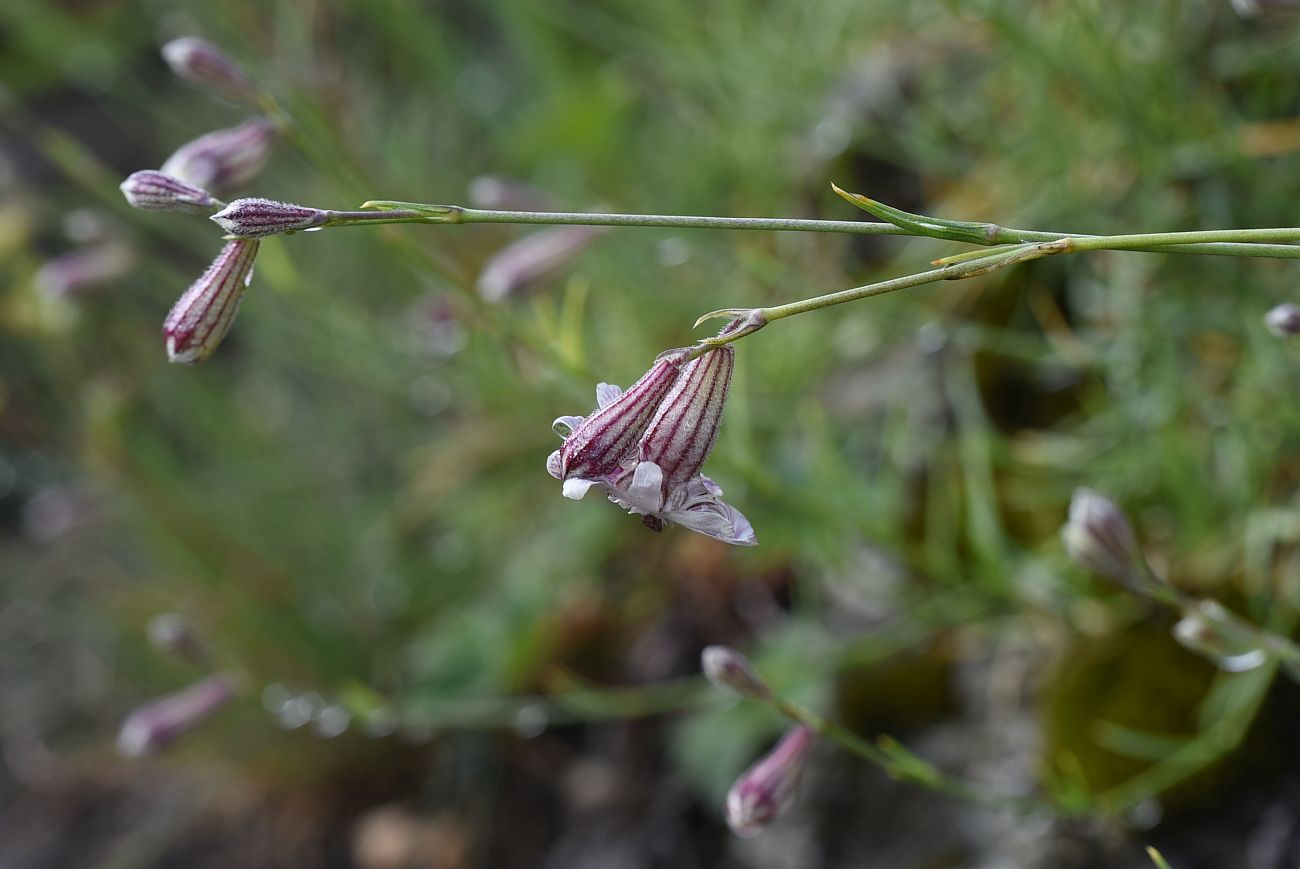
(1099, 538)
(204, 64)
(519, 267)
(727, 668)
(1253, 8)
(506, 194)
(1284, 320)
(201, 317)
(1231, 643)
(172, 634)
(257, 218)
(224, 159)
(153, 727)
(77, 272)
(154, 191)
(685, 428)
(766, 788)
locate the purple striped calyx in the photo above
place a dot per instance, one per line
(767, 788)
(201, 63)
(152, 190)
(685, 428)
(602, 444)
(156, 725)
(202, 316)
(224, 159)
(257, 218)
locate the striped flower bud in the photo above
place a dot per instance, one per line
(201, 63)
(766, 788)
(224, 159)
(157, 725)
(685, 428)
(257, 218)
(598, 445)
(1284, 320)
(171, 634)
(534, 259)
(201, 317)
(727, 668)
(1099, 538)
(153, 191)
(81, 271)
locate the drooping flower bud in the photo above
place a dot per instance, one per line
(77, 272)
(257, 218)
(596, 446)
(201, 317)
(154, 191)
(1099, 538)
(519, 267)
(685, 428)
(224, 159)
(1284, 320)
(766, 788)
(157, 725)
(727, 668)
(172, 634)
(1228, 641)
(204, 64)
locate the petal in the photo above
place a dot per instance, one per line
(555, 465)
(716, 519)
(576, 487)
(564, 425)
(607, 394)
(647, 486)
(709, 486)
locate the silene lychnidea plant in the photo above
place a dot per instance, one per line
(645, 448)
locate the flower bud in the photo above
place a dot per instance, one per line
(171, 633)
(596, 446)
(1099, 538)
(224, 159)
(204, 64)
(154, 191)
(1211, 631)
(766, 788)
(1284, 320)
(78, 272)
(157, 725)
(727, 668)
(685, 428)
(257, 218)
(201, 317)
(519, 267)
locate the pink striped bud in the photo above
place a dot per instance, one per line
(596, 446)
(521, 266)
(727, 668)
(201, 63)
(201, 318)
(78, 272)
(766, 788)
(257, 218)
(154, 191)
(157, 725)
(685, 428)
(224, 159)
(1099, 538)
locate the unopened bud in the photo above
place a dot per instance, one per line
(153, 727)
(1228, 641)
(1099, 538)
(257, 218)
(172, 634)
(224, 159)
(154, 191)
(727, 668)
(519, 267)
(767, 788)
(204, 64)
(201, 317)
(77, 272)
(1284, 320)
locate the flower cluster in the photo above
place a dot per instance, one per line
(645, 447)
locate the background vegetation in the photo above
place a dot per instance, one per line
(348, 502)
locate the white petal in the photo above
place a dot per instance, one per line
(711, 487)
(555, 465)
(575, 487)
(718, 520)
(607, 394)
(564, 425)
(647, 486)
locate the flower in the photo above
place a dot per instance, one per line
(766, 788)
(518, 267)
(156, 725)
(224, 159)
(202, 63)
(201, 317)
(601, 444)
(1099, 538)
(727, 668)
(153, 191)
(1284, 320)
(1213, 632)
(77, 272)
(256, 218)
